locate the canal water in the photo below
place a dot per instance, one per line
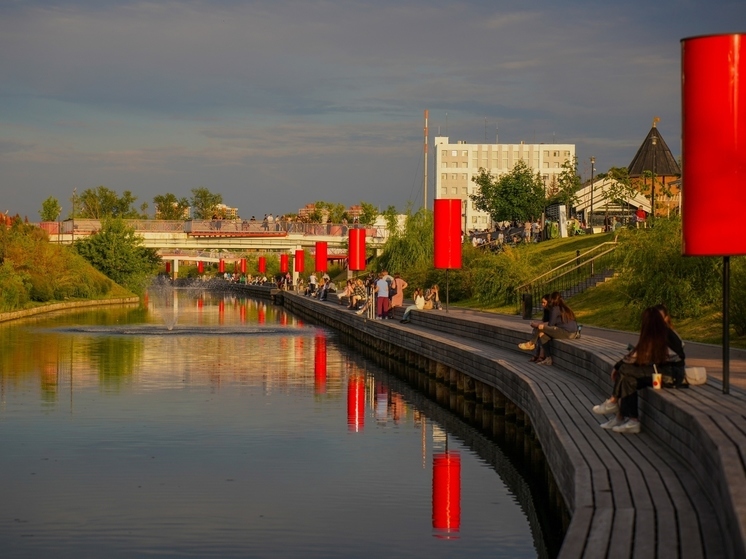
(200, 424)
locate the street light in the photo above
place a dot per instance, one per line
(72, 234)
(593, 164)
(653, 139)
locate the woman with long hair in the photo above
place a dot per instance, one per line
(658, 348)
(562, 325)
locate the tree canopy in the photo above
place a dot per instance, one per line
(167, 206)
(517, 195)
(565, 188)
(50, 209)
(119, 253)
(204, 203)
(102, 203)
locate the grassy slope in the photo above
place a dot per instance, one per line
(607, 307)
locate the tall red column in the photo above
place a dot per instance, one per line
(262, 264)
(283, 263)
(300, 261)
(356, 253)
(713, 86)
(447, 234)
(321, 256)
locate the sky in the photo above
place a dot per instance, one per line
(275, 104)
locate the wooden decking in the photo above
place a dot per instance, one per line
(678, 489)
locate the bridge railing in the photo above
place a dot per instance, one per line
(87, 226)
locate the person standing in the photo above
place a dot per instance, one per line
(397, 299)
(382, 296)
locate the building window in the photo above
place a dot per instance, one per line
(444, 153)
(454, 153)
(463, 191)
(443, 192)
(454, 190)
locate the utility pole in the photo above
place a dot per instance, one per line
(424, 185)
(590, 221)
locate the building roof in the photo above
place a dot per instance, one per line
(654, 155)
(602, 197)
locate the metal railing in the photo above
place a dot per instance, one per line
(232, 226)
(570, 278)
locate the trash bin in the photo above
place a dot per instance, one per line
(526, 306)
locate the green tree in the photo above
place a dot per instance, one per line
(565, 188)
(517, 195)
(50, 209)
(118, 252)
(369, 213)
(102, 203)
(167, 206)
(652, 270)
(204, 203)
(411, 246)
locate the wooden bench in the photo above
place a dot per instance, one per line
(675, 490)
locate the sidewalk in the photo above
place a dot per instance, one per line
(697, 354)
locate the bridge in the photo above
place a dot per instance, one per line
(215, 240)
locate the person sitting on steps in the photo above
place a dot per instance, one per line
(419, 304)
(562, 325)
(658, 348)
(545, 316)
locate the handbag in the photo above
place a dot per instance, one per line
(696, 375)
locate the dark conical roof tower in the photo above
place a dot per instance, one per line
(663, 161)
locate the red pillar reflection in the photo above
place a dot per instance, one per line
(221, 311)
(319, 365)
(283, 318)
(243, 313)
(356, 403)
(447, 494)
(260, 314)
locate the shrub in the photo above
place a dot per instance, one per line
(14, 293)
(738, 295)
(652, 270)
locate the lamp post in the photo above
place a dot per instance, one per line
(593, 164)
(72, 233)
(654, 140)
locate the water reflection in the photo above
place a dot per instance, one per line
(225, 426)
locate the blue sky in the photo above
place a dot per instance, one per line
(274, 104)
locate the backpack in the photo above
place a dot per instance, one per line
(392, 287)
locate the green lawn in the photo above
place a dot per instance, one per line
(607, 307)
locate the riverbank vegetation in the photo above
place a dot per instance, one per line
(35, 272)
(648, 265)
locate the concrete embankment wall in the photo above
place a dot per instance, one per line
(4, 317)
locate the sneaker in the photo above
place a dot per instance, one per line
(528, 346)
(361, 311)
(606, 408)
(611, 423)
(545, 361)
(630, 426)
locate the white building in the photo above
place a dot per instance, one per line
(456, 164)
